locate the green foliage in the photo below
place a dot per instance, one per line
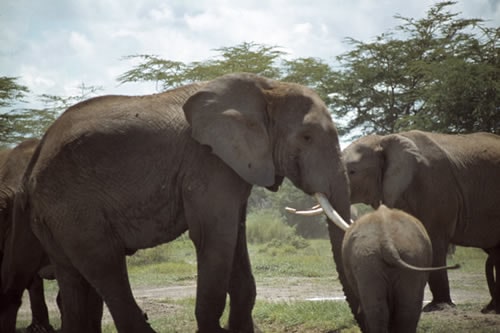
(170, 262)
(178, 250)
(11, 91)
(22, 123)
(267, 225)
(439, 73)
(309, 258)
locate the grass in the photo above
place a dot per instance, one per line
(291, 262)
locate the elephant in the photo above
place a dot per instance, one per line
(450, 182)
(13, 162)
(114, 174)
(386, 256)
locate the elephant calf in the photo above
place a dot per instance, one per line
(386, 257)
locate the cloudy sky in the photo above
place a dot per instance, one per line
(55, 45)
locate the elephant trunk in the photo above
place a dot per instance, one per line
(339, 198)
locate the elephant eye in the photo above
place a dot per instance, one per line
(307, 138)
(352, 172)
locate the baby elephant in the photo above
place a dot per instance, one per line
(386, 256)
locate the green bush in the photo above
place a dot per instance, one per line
(267, 226)
(180, 249)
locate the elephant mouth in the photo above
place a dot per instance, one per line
(325, 207)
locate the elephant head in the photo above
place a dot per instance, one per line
(381, 168)
(266, 130)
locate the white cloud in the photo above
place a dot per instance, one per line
(80, 43)
(34, 78)
(162, 13)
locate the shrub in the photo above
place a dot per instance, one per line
(267, 226)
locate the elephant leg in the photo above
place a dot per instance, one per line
(489, 270)
(8, 312)
(214, 268)
(496, 291)
(242, 290)
(438, 280)
(105, 269)
(81, 306)
(374, 307)
(408, 295)
(214, 234)
(39, 312)
(370, 283)
(492, 268)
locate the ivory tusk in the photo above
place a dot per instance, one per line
(330, 212)
(311, 212)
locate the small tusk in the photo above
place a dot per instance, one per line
(311, 212)
(330, 212)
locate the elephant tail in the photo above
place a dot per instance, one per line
(392, 257)
(403, 264)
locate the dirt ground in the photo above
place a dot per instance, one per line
(469, 289)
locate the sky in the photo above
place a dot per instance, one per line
(54, 46)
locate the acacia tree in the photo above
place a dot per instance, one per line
(268, 61)
(20, 123)
(11, 92)
(439, 73)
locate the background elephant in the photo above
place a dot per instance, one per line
(13, 163)
(114, 174)
(449, 182)
(386, 256)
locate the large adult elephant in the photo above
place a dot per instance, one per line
(13, 163)
(114, 174)
(449, 182)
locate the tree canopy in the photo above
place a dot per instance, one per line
(268, 61)
(439, 73)
(24, 122)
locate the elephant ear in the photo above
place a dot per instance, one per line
(229, 114)
(401, 159)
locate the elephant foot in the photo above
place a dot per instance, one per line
(491, 308)
(247, 329)
(438, 306)
(39, 328)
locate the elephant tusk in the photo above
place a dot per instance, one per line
(313, 211)
(330, 212)
(316, 210)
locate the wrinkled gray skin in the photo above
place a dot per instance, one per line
(13, 163)
(449, 182)
(492, 269)
(114, 174)
(386, 256)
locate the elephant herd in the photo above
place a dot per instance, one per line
(115, 174)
